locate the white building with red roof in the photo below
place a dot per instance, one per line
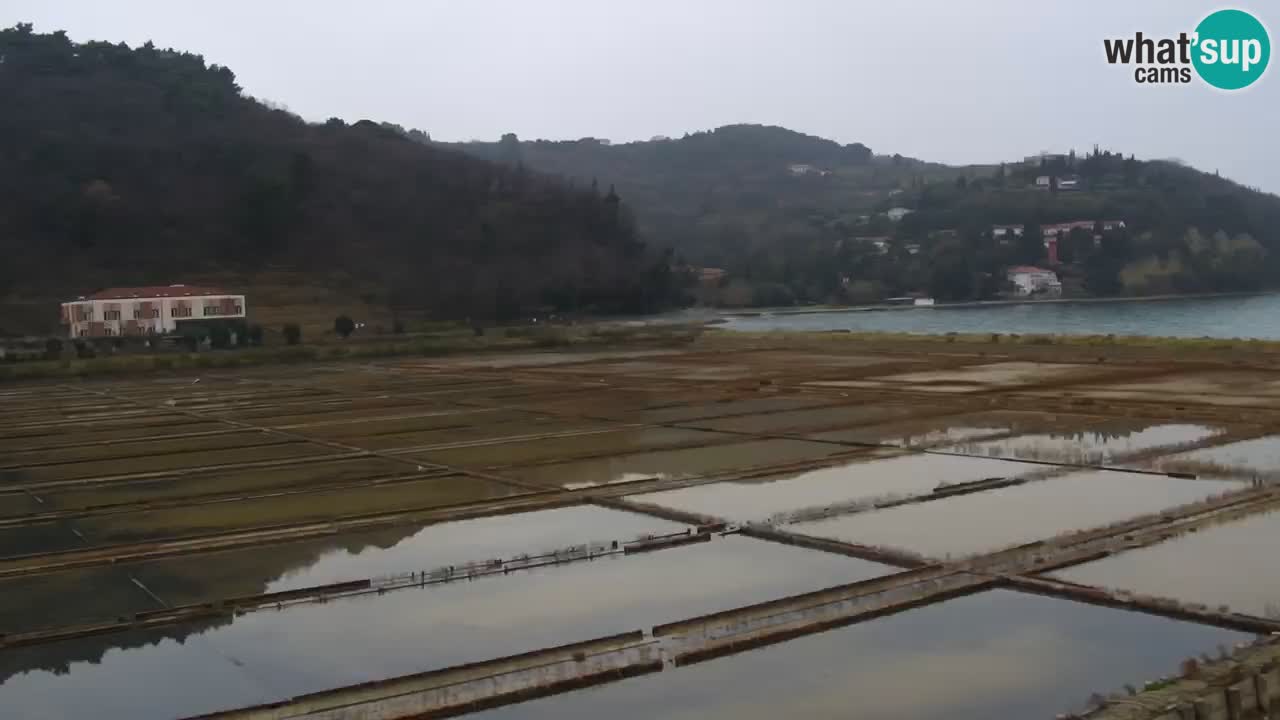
(152, 310)
(1032, 280)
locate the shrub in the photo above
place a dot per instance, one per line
(254, 336)
(550, 337)
(220, 336)
(52, 349)
(344, 325)
(292, 333)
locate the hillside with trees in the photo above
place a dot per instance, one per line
(795, 218)
(141, 166)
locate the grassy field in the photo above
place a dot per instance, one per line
(501, 339)
(457, 341)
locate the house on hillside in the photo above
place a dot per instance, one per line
(1087, 225)
(879, 242)
(897, 213)
(798, 169)
(711, 276)
(1004, 231)
(1044, 158)
(1044, 182)
(1031, 280)
(1056, 229)
(137, 311)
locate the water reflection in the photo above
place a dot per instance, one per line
(1248, 458)
(1245, 317)
(674, 463)
(994, 655)
(1009, 516)
(1094, 446)
(900, 476)
(97, 594)
(306, 648)
(1231, 564)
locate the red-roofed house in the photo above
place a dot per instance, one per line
(710, 276)
(147, 310)
(1089, 225)
(1031, 280)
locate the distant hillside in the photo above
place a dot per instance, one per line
(793, 217)
(713, 192)
(145, 166)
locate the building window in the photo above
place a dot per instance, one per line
(106, 330)
(178, 311)
(210, 310)
(146, 314)
(239, 309)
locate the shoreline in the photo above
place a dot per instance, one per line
(817, 310)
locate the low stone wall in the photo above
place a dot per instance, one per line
(1243, 686)
(504, 688)
(467, 688)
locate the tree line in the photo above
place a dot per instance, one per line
(126, 166)
(794, 218)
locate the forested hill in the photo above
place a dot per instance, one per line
(142, 166)
(713, 190)
(792, 217)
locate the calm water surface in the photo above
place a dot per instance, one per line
(994, 519)
(271, 655)
(1244, 317)
(1232, 564)
(39, 600)
(906, 475)
(994, 655)
(1086, 446)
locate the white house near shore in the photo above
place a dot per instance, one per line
(134, 311)
(1031, 280)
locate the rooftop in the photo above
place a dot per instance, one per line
(154, 291)
(1028, 269)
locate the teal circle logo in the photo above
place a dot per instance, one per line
(1232, 49)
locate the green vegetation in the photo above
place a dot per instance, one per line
(344, 326)
(522, 338)
(146, 166)
(795, 218)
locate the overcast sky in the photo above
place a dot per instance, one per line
(957, 82)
